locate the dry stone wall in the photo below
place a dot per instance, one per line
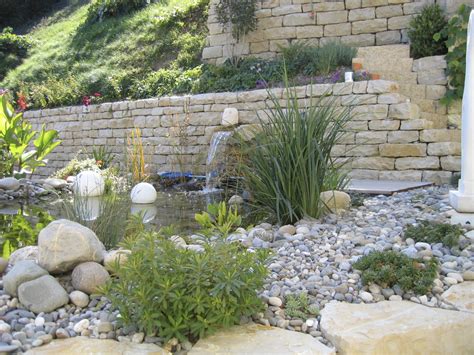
(279, 22)
(384, 139)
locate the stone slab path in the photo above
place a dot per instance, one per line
(256, 339)
(384, 187)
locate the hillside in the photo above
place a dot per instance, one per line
(118, 57)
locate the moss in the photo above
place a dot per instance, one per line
(432, 232)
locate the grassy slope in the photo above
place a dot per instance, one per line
(132, 45)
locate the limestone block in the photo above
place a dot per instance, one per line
(212, 52)
(432, 77)
(270, 22)
(393, 98)
(401, 175)
(360, 87)
(416, 124)
(387, 37)
(297, 20)
(362, 14)
(403, 136)
(435, 92)
(309, 32)
(322, 6)
(369, 26)
(444, 148)
(362, 40)
(370, 3)
(280, 33)
(369, 150)
(417, 163)
(230, 117)
(402, 150)
(399, 22)
(461, 295)
(374, 163)
(440, 135)
(370, 112)
(340, 29)
(285, 10)
(389, 11)
(371, 137)
(353, 4)
(325, 18)
(451, 163)
(382, 87)
(364, 174)
(384, 125)
(430, 63)
(393, 328)
(404, 111)
(342, 89)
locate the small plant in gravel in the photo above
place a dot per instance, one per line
(432, 232)
(389, 268)
(297, 306)
(219, 219)
(176, 292)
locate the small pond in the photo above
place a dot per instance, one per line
(20, 224)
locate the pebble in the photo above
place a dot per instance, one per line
(275, 301)
(366, 297)
(81, 325)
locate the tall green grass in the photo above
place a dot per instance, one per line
(291, 163)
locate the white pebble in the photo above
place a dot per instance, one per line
(39, 321)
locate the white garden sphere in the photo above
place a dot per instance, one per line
(89, 183)
(143, 193)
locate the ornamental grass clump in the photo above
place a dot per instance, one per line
(389, 268)
(290, 163)
(171, 291)
(432, 232)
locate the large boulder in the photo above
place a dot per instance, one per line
(461, 296)
(396, 328)
(64, 244)
(88, 277)
(335, 200)
(43, 294)
(23, 271)
(253, 339)
(9, 183)
(89, 183)
(25, 253)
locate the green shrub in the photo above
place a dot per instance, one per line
(330, 57)
(219, 219)
(388, 268)
(100, 9)
(297, 57)
(177, 292)
(456, 34)
(239, 14)
(291, 163)
(422, 29)
(13, 49)
(297, 306)
(431, 232)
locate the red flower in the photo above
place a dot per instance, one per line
(86, 100)
(22, 102)
(97, 94)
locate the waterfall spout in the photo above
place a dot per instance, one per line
(215, 163)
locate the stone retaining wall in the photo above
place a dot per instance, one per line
(384, 138)
(355, 22)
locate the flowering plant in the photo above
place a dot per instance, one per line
(87, 100)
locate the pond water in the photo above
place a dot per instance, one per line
(20, 224)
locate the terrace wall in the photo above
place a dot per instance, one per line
(386, 138)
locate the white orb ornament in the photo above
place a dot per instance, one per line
(89, 183)
(143, 193)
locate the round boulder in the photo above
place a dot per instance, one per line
(87, 277)
(335, 200)
(79, 298)
(143, 193)
(25, 253)
(89, 183)
(115, 256)
(23, 271)
(43, 294)
(9, 183)
(64, 244)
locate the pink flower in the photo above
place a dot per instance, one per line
(86, 100)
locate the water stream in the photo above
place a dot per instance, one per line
(215, 159)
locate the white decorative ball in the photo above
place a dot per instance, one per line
(89, 183)
(143, 193)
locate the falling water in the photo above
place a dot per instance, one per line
(213, 165)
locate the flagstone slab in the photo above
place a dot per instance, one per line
(461, 296)
(254, 339)
(85, 346)
(397, 328)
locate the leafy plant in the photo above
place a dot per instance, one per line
(297, 306)
(422, 28)
(239, 14)
(219, 219)
(291, 163)
(136, 156)
(456, 34)
(330, 57)
(16, 135)
(431, 232)
(75, 166)
(99, 9)
(389, 268)
(13, 49)
(102, 156)
(177, 292)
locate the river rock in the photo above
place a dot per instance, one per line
(143, 193)
(89, 183)
(236, 200)
(396, 328)
(252, 339)
(84, 345)
(25, 253)
(88, 277)
(23, 271)
(461, 296)
(64, 244)
(79, 298)
(9, 183)
(113, 256)
(56, 183)
(43, 294)
(335, 200)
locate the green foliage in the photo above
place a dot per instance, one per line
(100, 9)
(456, 34)
(422, 29)
(22, 229)
(219, 219)
(329, 57)
(297, 306)
(75, 166)
(291, 163)
(389, 268)
(239, 14)
(177, 292)
(102, 156)
(17, 135)
(13, 49)
(431, 232)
